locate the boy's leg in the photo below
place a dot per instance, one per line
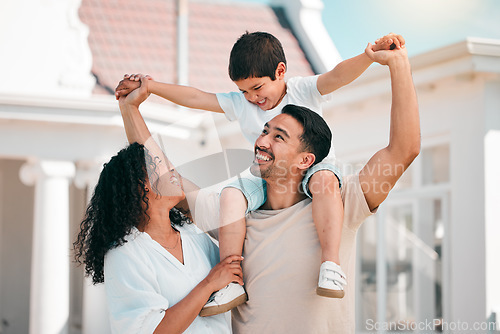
(232, 228)
(323, 185)
(328, 213)
(235, 201)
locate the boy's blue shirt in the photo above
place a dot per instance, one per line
(301, 91)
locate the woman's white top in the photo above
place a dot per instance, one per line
(142, 279)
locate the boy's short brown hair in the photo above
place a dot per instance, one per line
(256, 55)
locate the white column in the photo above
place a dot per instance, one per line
(95, 317)
(492, 198)
(492, 229)
(467, 213)
(182, 42)
(49, 295)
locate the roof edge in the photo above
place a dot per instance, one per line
(97, 110)
(472, 55)
(307, 25)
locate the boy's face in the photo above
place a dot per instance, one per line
(262, 91)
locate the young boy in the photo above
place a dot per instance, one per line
(257, 66)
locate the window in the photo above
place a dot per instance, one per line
(401, 251)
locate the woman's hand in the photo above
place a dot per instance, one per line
(227, 271)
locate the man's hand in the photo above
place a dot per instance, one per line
(129, 83)
(389, 42)
(385, 57)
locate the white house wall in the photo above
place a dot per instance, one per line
(16, 224)
(43, 58)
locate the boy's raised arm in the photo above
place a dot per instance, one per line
(182, 95)
(350, 69)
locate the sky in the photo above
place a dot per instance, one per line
(425, 24)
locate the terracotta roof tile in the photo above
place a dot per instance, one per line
(130, 36)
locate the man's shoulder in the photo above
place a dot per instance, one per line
(356, 208)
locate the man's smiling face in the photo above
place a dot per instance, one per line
(278, 149)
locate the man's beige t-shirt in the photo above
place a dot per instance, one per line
(281, 266)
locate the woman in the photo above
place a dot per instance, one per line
(156, 265)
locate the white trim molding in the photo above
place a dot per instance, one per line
(307, 24)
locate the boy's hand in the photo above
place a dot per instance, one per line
(129, 83)
(386, 42)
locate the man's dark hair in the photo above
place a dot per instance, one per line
(316, 137)
(257, 55)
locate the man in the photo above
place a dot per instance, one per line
(281, 249)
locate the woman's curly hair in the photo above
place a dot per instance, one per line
(118, 204)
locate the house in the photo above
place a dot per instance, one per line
(429, 253)
(438, 228)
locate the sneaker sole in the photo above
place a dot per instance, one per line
(329, 293)
(214, 310)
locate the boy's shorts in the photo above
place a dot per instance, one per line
(254, 188)
(326, 164)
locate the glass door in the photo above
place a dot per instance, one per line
(400, 270)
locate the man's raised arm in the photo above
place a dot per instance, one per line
(382, 171)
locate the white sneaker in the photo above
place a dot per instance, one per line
(224, 300)
(331, 280)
